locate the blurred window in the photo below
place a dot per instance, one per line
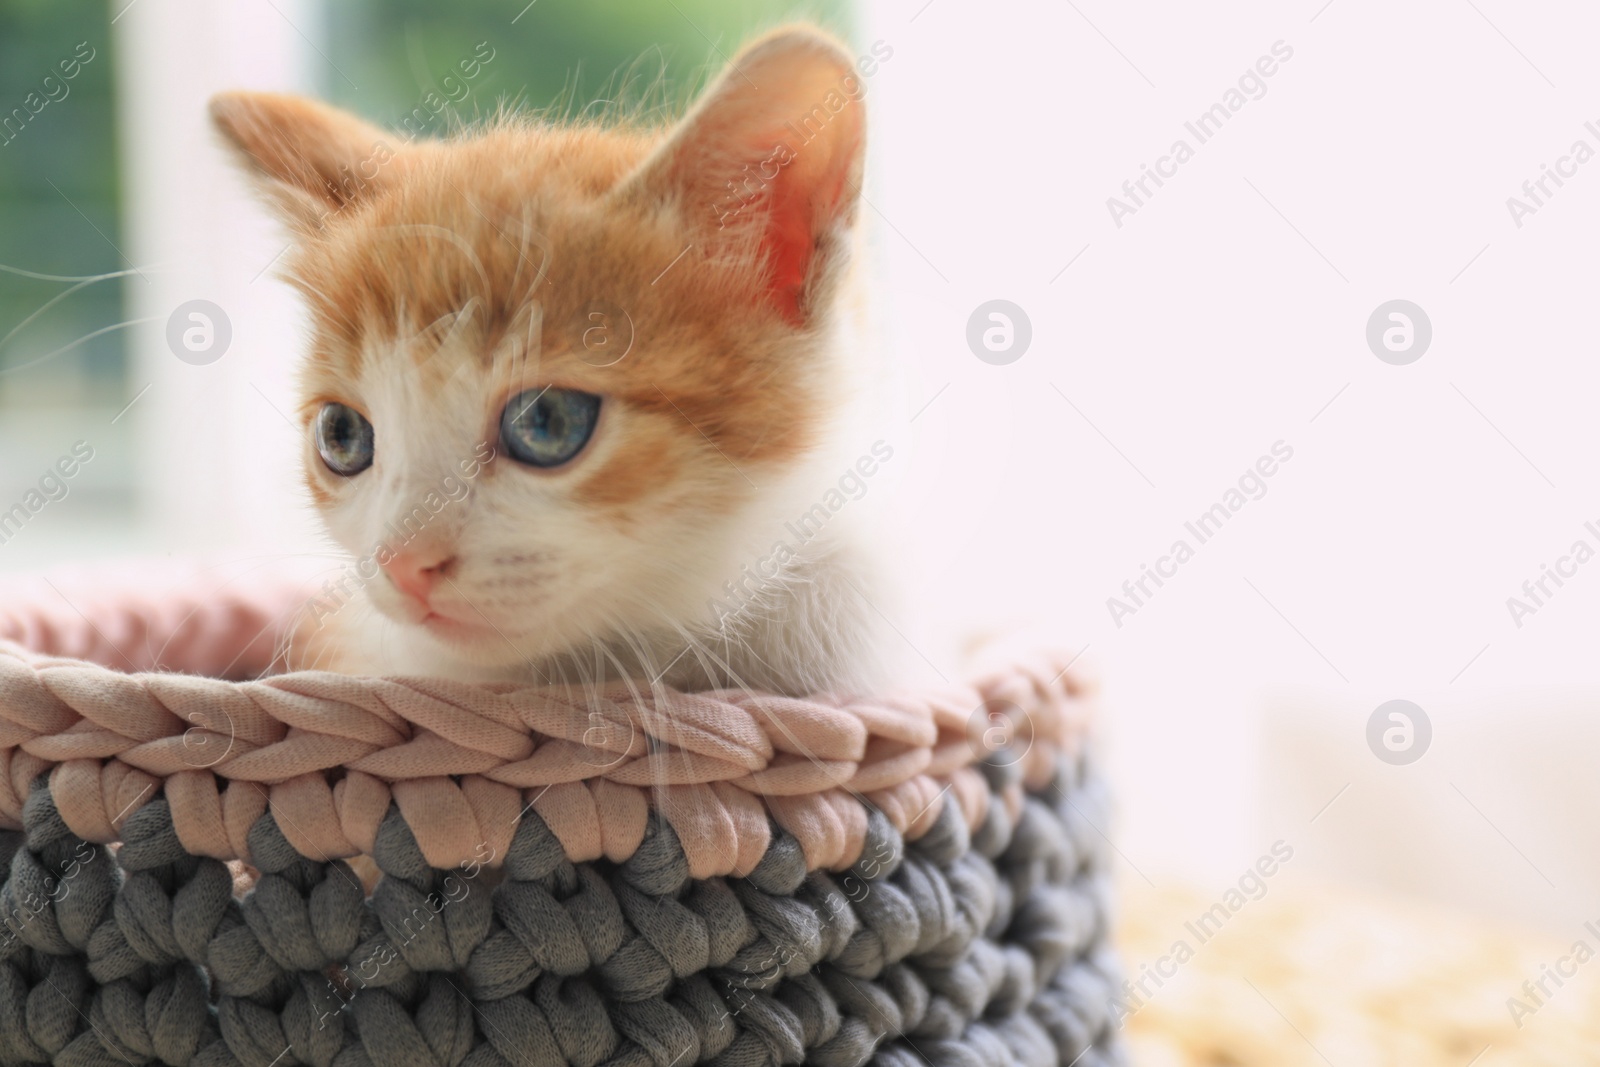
(64, 351)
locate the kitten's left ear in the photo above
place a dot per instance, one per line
(314, 159)
(769, 159)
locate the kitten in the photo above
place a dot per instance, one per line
(570, 387)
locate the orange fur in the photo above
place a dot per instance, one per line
(473, 267)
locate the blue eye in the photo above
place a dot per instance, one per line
(547, 427)
(344, 439)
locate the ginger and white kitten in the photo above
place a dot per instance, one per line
(571, 387)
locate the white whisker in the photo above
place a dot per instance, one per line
(74, 344)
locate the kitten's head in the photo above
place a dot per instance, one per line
(562, 377)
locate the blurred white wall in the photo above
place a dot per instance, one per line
(1228, 313)
(219, 464)
(1497, 818)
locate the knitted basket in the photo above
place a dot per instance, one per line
(310, 868)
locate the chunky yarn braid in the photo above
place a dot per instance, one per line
(968, 949)
(336, 871)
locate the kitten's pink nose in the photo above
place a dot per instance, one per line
(416, 573)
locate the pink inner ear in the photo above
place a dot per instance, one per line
(808, 109)
(804, 199)
(787, 248)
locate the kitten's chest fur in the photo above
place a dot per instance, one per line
(818, 625)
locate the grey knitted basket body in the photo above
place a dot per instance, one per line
(980, 948)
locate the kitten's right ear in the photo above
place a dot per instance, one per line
(769, 159)
(314, 160)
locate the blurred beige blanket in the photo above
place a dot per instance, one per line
(1327, 978)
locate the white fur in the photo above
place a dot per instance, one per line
(562, 595)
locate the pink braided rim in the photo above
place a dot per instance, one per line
(327, 753)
